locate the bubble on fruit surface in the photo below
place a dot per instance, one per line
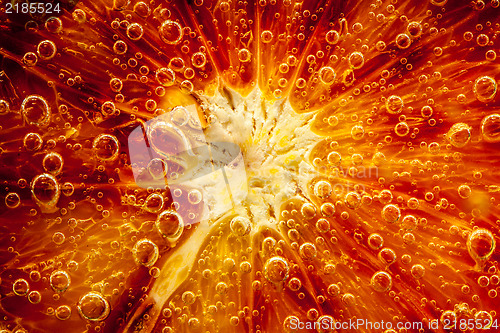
(240, 226)
(394, 104)
(53, 163)
(171, 32)
(356, 60)
(67, 189)
(290, 324)
(142, 9)
(308, 210)
(79, 16)
(327, 209)
(36, 110)
(402, 129)
(485, 88)
(266, 36)
(391, 213)
(145, 252)
(170, 224)
(4, 107)
(403, 41)
(334, 158)
(106, 147)
(332, 37)
(325, 324)
(426, 111)
(46, 49)
(195, 196)
(490, 128)
(417, 271)
(12, 200)
(409, 223)
(32, 141)
(414, 29)
(45, 190)
(154, 203)
(157, 168)
(307, 251)
(34, 297)
(244, 55)
(115, 84)
(357, 132)
(30, 59)
(54, 25)
(165, 76)
(108, 108)
(63, 312)
(120, 47)
(387, 256)
(353, 200)
(448, 318)
(375, 241)
(327, 75)
(59, 281)
(459, 134)
(464, 191)
(381, 281)
(481, 244)
(322, 189)
(93, 306)
(276, 269)
(20, 287)
(135, 31)
(485, 319)
(198, 59)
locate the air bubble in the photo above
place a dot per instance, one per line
(266, 36)
(307, 251)
(356, 60)
(244, 55)
(145, 252)
(276, 269)
(93, 306)
(322, 189)
(198, 59)
(459, 134)
(135, 31)
(171, 32)
(45, 190)
(53, 163)
(485, 88)
(59, 281)
(46, 49)
(30, 59)
(170, 224)
(403, 41)
(481, 244)
(240, 226)
(20, 287)
(394, 104)
(391, 213)
(157, 168)
(12, 200)
(332, 37)
(327, 75)
(165, 76)
(4, 107)
(417, 271)
(490, 128)
(106, 147)
(63, 312)
(381, 281)
(36, 110)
